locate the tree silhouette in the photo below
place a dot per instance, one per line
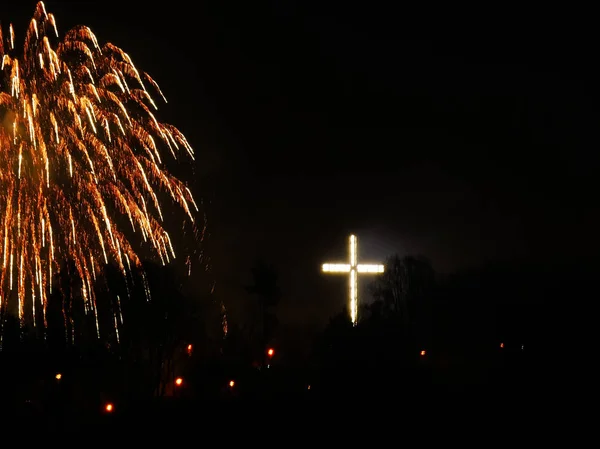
(158, 323)
(406, 283)
(266, 292)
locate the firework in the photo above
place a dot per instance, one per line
(79, 156)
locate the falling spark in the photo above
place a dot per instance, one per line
(224, 322)
(79, 149)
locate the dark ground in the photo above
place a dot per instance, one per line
(508, 381)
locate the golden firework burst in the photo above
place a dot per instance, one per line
(79, 154)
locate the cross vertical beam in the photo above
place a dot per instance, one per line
(353, 269)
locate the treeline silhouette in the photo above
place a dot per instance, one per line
(505, 328)
(127, 349)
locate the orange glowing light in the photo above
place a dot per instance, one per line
(501, 345)
(423, 353)
(231, 383)
(309, 387)
(270, 352)
(189, 348)
(179, 381)
(109, 407)
(58, 376)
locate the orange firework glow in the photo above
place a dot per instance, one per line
(79, 153)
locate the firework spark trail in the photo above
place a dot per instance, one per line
(79, 148)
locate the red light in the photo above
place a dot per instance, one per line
(189, 349)
(109, 407)
(270, 352)
(179, 381)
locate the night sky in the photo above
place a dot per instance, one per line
(470, 137)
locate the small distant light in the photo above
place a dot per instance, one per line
(109, 407)
(423, 352)
(308, 387)
(179, 381)
(502, 345)
(58, 376)
(271, 352)
(522, 347)
(189, 349)
(231, 383)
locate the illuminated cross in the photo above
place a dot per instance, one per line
(354, 269)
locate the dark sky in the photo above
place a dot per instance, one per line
(467, 136)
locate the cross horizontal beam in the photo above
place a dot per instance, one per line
(369, 268)
(336, 267)
(345, 268)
